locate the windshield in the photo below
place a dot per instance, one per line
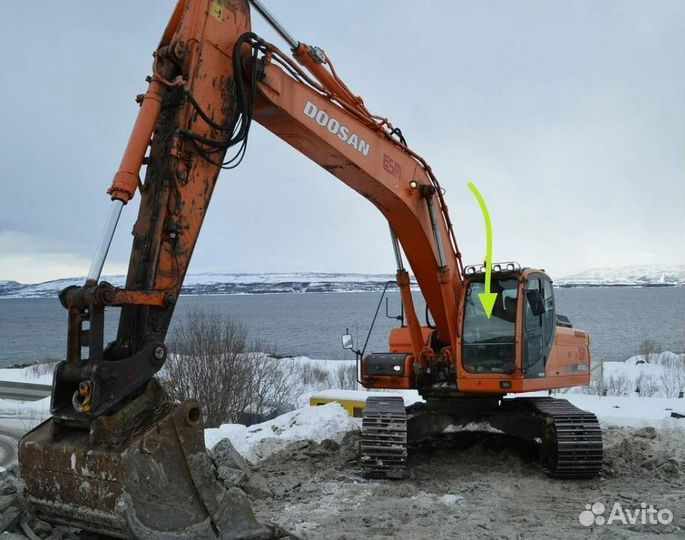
(489, 344)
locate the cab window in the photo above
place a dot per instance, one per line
(489, 345)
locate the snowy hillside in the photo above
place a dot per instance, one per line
(212, 283)
(637, 275)
(320, 282)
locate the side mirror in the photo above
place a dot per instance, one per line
(347, 342)
(537, 306)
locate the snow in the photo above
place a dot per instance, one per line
(630, 411)
(23, 415)
(256, 442)
(36, 374)
(14, 407)
(635, 367)
(224, 283)
(331, 366)
(660, 375)
(634, 275)
(300, 282)
(620, 410)
(331, 421)
(276, 277)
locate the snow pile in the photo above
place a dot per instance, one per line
(261, 440)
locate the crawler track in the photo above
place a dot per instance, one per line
(384, 438)
(572, 442)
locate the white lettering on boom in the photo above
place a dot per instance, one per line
(336, 128)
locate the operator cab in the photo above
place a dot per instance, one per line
(524, 309)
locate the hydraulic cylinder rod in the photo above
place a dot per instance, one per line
(105, 241)
(436, 231)
(292, 42)
(396, 249)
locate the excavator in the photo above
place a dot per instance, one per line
(118, 457)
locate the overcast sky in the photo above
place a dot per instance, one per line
(568, 115)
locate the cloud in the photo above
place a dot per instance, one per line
(33, 259)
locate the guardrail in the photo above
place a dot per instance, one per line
(24, 391)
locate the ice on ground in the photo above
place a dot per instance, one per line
(259, 441)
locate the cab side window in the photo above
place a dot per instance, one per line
(532, 322)
(549, 318)
(539, 323)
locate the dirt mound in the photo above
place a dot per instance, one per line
(632, 452)
(297, 467)
(490, 488)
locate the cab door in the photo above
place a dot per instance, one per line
(538, 325)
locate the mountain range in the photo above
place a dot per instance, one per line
(319, 282)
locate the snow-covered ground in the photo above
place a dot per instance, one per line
(658, 375)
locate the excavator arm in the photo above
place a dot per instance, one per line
(211, 78)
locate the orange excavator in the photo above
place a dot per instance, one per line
(118, 457)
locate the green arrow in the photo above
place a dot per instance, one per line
(487, 298)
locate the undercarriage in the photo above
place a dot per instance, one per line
(568, 439)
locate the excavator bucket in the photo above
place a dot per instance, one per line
(152, 481)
